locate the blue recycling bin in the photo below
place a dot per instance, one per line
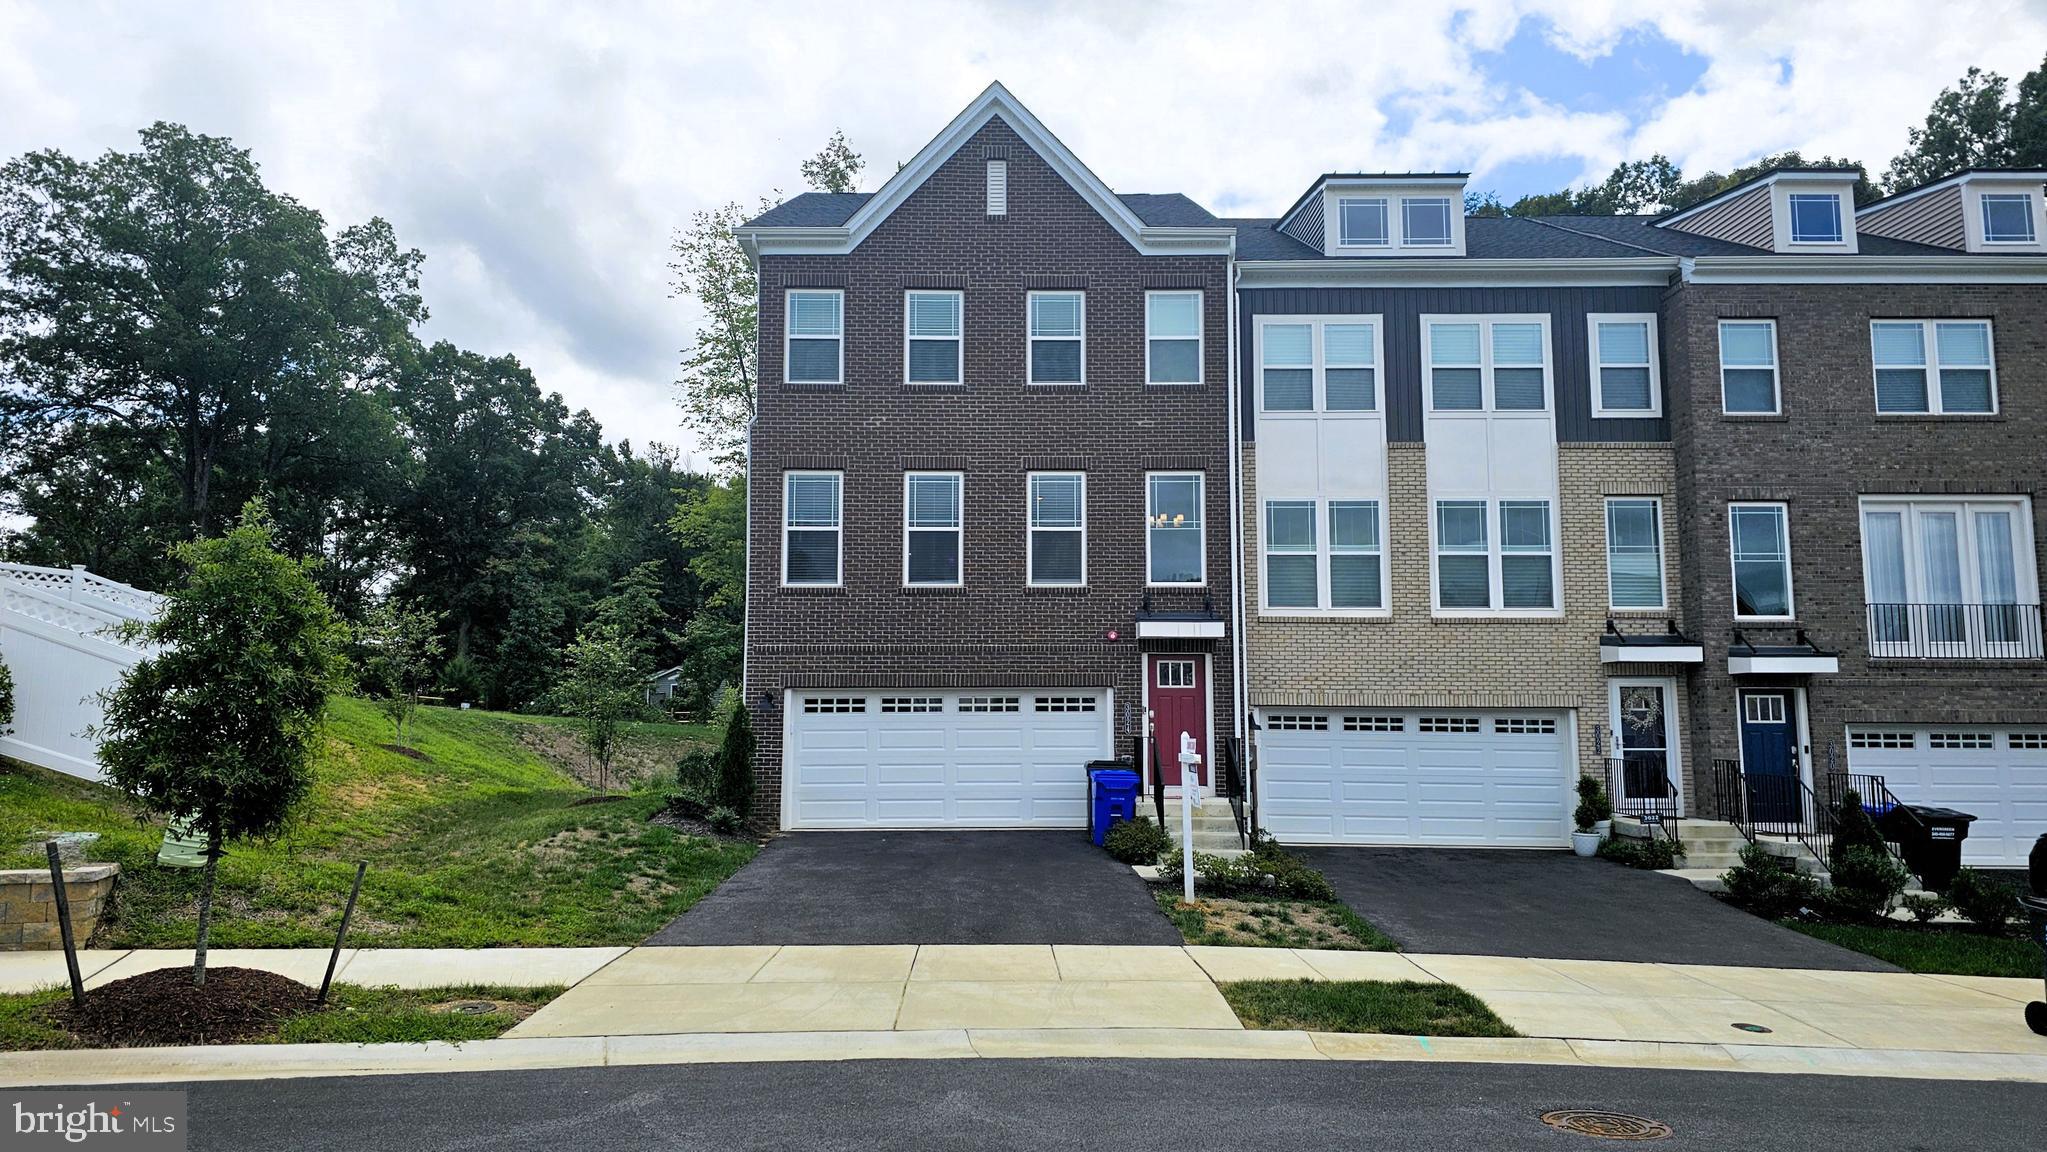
(1112, 796)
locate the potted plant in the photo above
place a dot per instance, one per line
(1593, 810)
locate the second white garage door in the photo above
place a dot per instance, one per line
(942, 759)
(1448, 778)
(1998, 775)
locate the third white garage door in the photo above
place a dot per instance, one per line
(1499, 779)
(1998, 775)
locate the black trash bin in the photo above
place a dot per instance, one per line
(2036, 919)
(1931, 842)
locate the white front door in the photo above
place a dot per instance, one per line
(941, 758)
(1642, 713)
(1391, 776)
(1996, 774)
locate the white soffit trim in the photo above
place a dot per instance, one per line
(1179, 629)
(1455, 271)
(993, 101)
(1782, 665)
(1647, 654)
(1956, 269)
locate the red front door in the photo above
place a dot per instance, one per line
(1178, 687)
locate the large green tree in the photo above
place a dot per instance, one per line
(711, 523)
(1978, 123)
(168, 315)
(219, 723)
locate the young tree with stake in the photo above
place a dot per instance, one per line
(403, 644)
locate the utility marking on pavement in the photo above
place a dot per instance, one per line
(1606, 1125)
(1750, 1027)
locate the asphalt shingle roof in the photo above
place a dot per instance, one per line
(811, 210)
(1485, 237)
(1168, 210)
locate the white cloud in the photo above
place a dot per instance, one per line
(541, 158)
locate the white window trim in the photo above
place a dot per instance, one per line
(1200, 338)
(1449, 239)
(1031, 530)
(1496, 538)
(960, 341)
(2025, 570)
(788, 324)
(959, 537)
(1599, 410)
(1662, 604)
(1386, 210)
(1983, 200)
(1841, 218)
(1030, 372)
(1486, 408)
(1318, 368)
(1776, 367)
(1325, 549)
(840, 567)
(1930, 339)
(1790, 589)
(1202, 527)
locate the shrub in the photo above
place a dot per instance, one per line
(1266, 868)
(725, 822)
(1650, 854)
(689, 804)
(735, 764)
(6, 696)
(461, 681)
(1924, 906)
(697, 771)
(1988, 903)
(1593, 804)
(1853, 829)
(1766, 885)
(1137, 841)
(1864, 883)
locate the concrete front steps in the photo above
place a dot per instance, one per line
(1215, 829)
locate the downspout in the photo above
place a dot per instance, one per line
(1237, 648)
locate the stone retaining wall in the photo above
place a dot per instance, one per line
(28, 905)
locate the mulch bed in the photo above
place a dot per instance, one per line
(402, 750)
(165, 1007)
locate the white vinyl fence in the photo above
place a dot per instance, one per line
(58, 636)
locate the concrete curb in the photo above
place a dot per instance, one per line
(298, 1061)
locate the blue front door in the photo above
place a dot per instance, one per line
(1769, 756)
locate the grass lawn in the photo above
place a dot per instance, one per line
(1404, 1008)
(1935, 949)
(1271, 922)
(488, 840)
(353, 1016)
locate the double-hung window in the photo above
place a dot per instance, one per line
(1759, 538)
(1172, 338)
(1058, 323)
(1946, 576)
(1624, 370)
(1815, 217)
(1058, 543)
(1487, 364)
(2008, 218)
(814, 337)
(1356, 575)
(1748, 367)
(1512, 570)
(1311, 365)
(933, 323)
(1634, 552)
(1309, 569)
(1174, 543)
(1361, 222)
(1939, 367)
(933, 541)
(1425, 221)
(1292, 568)
(811, 541)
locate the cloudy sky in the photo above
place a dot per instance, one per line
(542, 154)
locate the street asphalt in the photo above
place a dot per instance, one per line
(927, 888)
(1557, 906)
(1129, 1106)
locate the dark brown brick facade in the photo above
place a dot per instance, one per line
(995, 429)
(1828, 449)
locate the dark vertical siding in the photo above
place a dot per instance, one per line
(1402, 309)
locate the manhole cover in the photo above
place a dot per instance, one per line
(1606, 1125)
(1752, 1027)
(469, 1007)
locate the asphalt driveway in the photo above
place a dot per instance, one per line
(1556, 906)
(927, 888)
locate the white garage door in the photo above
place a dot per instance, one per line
(1476, 778)
(942, 759)
(1998, 775)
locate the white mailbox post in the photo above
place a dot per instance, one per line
(1190, 799)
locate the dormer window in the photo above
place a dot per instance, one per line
(2008, 218)
(1815, 218)
(1425, 221)
(1361, 222)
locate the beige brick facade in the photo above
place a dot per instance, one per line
(1412, 660)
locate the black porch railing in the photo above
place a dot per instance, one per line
(1236, 772)
(1955, 631)
(1772, 805)
(1641, 787)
